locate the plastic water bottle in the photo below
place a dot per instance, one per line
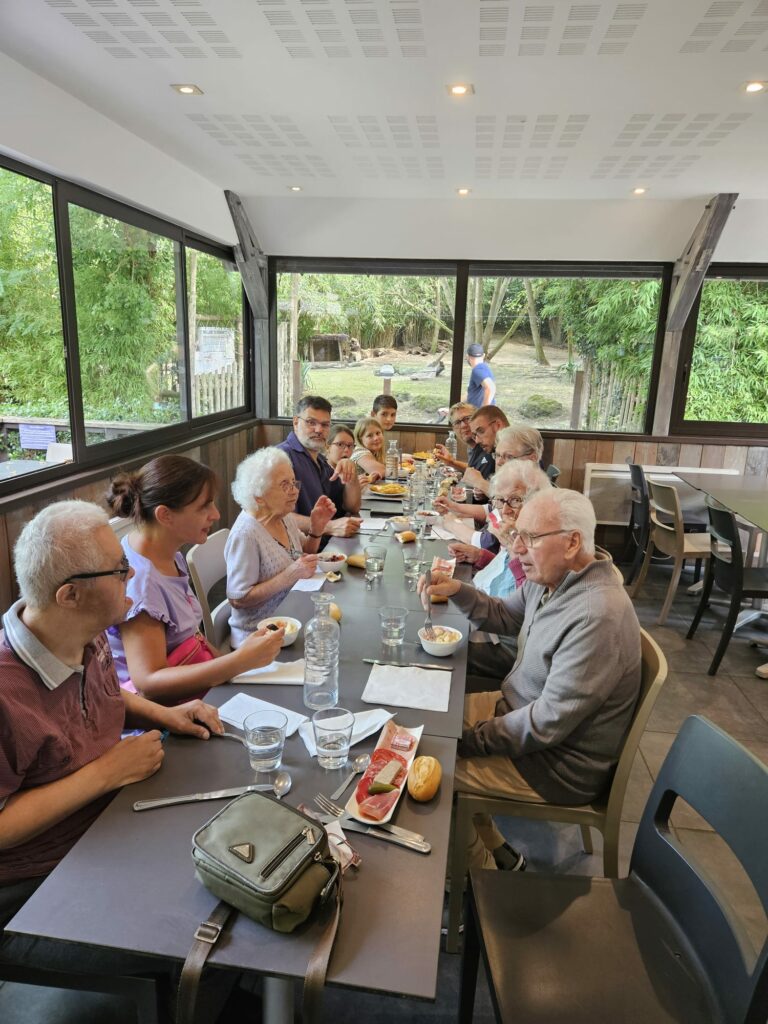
(321, 657)
(392, 462)
(451, 445)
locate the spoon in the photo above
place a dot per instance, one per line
(228, 736)
(280, 786)
(359, 765)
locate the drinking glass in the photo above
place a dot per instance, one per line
(374, 561)
(392, 625)
(412, 566)
(265, 739)
(459, 493)
(333, 734)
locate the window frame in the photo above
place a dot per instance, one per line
(86, 457)
(710, 429)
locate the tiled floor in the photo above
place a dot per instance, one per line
(735, 699)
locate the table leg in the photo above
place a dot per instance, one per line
(278, 1000)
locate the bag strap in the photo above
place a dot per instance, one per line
(317, 968)
(206, 937)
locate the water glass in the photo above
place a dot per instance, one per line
(412, 566)
(392, 625)
(459, 493)
(374, 561)
(265, 739)
(333, 735)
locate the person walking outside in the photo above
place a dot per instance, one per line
(481, 389)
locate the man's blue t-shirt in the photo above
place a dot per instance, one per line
(479, 373)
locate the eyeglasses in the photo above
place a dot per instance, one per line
(502, 457)
(290, 485)
(531, 540)
(461, 422)
(315, 424)
(349, 445)
(122, 572)
(513, 502)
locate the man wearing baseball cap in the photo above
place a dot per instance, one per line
(482, 386)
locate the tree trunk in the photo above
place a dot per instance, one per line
(192, 313)
(569, 339)
(541, 358)
(478, 311)
(499, 291)
(556, 330)
(293, 339)
(510, 333)
(438, 314)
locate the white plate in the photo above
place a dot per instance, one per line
(386, 734)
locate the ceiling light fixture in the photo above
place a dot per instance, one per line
(461, 89)
(754, 87)
(463, 191)
(294, 188)
(187, 89)
(639, 191)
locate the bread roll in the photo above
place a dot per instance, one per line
(356, 561)
(406, 537)
(424, 778)
(438, 599)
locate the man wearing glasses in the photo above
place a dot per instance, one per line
(62, 710)
(553, 733)
(305, 446)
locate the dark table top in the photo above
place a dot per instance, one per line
(745, 496)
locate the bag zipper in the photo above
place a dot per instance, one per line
(306, 833)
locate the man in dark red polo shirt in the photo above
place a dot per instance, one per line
(62, 710)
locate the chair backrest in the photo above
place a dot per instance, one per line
(727, 558)
(553, 473)
(58, 451)
(220, 623)
(728, 787)
(207, 566)
(121, 526)
(652, 678)
(668, 536)
(640, 515)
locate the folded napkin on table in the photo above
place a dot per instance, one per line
(287, 672)
(402, 687)
(313, 583)
(366, 722)
(237, 708)
(373, 525)
(442, 534)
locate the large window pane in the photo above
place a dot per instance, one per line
(129, 344)
(34, 411)
(566, 353)
(215, 308)
(348, 337)
(728, 381)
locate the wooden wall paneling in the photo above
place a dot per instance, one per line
(549, 451)
(668, 455)
(645, 453)
(712, 456)
(562, 457)
(623, 451)
(757, 462)
(7, 589)
(604, 451)
(690, 455)
(735, 458)
(583, 452)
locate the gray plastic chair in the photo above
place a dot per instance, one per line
(207, 566)
(662, 945)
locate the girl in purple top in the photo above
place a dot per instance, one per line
(172, 502)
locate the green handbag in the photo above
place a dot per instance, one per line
(273, 863)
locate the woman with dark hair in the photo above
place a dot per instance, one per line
(159, 650)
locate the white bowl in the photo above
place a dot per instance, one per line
(438, 649)
(328, 563)
(427, 516)
(292, 627)
(400, 523)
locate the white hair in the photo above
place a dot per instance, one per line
(575, 511)
(254, 476)
(519, 472)
(57, 544)
(527, 438)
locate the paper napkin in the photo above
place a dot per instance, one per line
(237, 708)
(366, 722)
(286, 672)
(422, 688)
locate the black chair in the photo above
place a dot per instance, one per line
(662, 944)
(726, 569)
(553, 473)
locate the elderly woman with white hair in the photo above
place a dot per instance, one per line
(266, 552)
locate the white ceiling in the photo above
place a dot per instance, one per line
(574, 100)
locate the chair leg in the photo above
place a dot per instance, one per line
(677, 568)
(469, 964)
(703, 603)
(725, 636)
(697, 570)
(459, 864)
(586, 839)
(635, 590)
(611, 849)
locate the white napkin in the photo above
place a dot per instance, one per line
(313, 583)
(237, 708)
(442, 534)
(373, 525)
(366, 722)
(288, 672)
(422, 688)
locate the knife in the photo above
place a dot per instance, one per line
(352, 825)
(189, 798)
(382, 826)
(409, 664)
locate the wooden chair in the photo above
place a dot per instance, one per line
(207, 567)
(662, 945)
(726, 569)
(667, 534)
(604, 815)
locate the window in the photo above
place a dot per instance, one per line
(34, 408)
(566, 352)
(352, 336)
(725, 356)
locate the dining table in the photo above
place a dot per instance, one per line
(129, 883)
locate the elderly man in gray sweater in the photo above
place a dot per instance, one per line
(554, 732)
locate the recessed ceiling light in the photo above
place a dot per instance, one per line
(463, 191)
(754, 87)
(639, 191)
(187, 89)
(294, 188)
(461, 89)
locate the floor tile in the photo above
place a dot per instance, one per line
(718, 698)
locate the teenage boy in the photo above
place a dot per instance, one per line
(385, 411)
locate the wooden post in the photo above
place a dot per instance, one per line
(578, 387)
(387, 386)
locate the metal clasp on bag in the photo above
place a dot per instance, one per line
(208, 932)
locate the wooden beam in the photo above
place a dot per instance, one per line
(687, 279)
(250, 258)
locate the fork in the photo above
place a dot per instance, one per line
(429, 633)
(330, 807)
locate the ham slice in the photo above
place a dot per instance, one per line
(380, 757)
(378, 806)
